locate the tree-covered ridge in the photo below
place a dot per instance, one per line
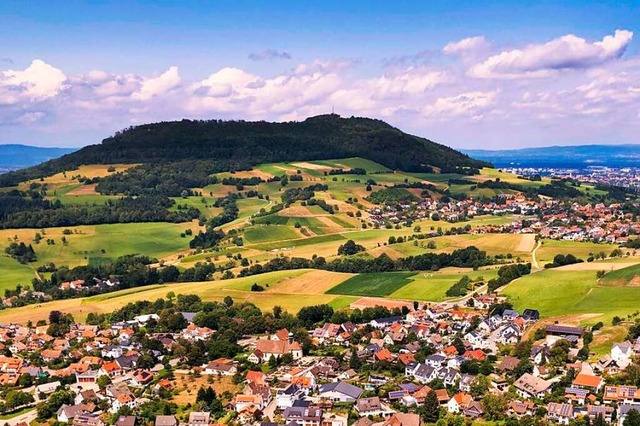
(240, 144)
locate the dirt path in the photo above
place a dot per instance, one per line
(534, 260)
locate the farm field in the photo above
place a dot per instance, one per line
(433, 286)
(13, 273)
(209, 290)
(582, 250)
(374, 284)
(625, 276)
(93, 243)
(557, 293)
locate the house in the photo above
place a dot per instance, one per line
(401, 419)
(594, 411)
(459, 402)
(621, 394)
(623, 412)
(267, 348)
(529, 386)
(576, 395)
(87, 396)
(372, 407)
(303, 416)
(622, 353)
(340, 392)
(531, 315)
(521, 408)
(141, 377)
(163, 420)
(199, 418)
(47, 388)
(508, 364)
(87, 420)
(386, 322)
(222, 367)
(120, 396)
(288, 396)
(126, 421)
(588, 381)
(474, 410)
(560, 412)
(66, 413)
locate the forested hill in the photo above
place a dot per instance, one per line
(243, 144)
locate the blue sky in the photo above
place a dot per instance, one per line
(462, 73)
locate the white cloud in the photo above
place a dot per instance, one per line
(38, 81)
(157, 86)
(469, 103)
(543, 60)
(465, 45)
(431, 98)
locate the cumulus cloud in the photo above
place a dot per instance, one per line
(543, 60)
(269, 55)
(160, 85)
(465, 45)
(38, 81)
(437, 99)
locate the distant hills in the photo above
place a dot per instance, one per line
(579, 156)
(16, 156)
(242, 144)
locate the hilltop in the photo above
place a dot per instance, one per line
(242, 144)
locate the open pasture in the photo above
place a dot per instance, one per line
(95, 242)
(556, 293)
(432, 286)
(373, 284)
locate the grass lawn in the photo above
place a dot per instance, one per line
(209, 290)
(622, 277)
(354, 162)
(299, 242)
(374, 284)
(582, 250)
(267, 281)
(560, 293)
(264, 233)
(13, 273)
(433, 286)
(105, 241)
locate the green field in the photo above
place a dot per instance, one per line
(621, 277)
(582, 250)
(433, 286)
(13, 273)
(105, 242)
(264, 233)
(374, 284)
(564, 293)
(299, 242)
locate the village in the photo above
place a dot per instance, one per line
(549, 218)
(416, 365)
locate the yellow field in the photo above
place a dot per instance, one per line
(64, 179)
(314, 282)
(284, 295)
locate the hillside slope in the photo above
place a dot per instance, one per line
(243, 144)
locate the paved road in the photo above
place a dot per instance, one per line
(27, 417)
